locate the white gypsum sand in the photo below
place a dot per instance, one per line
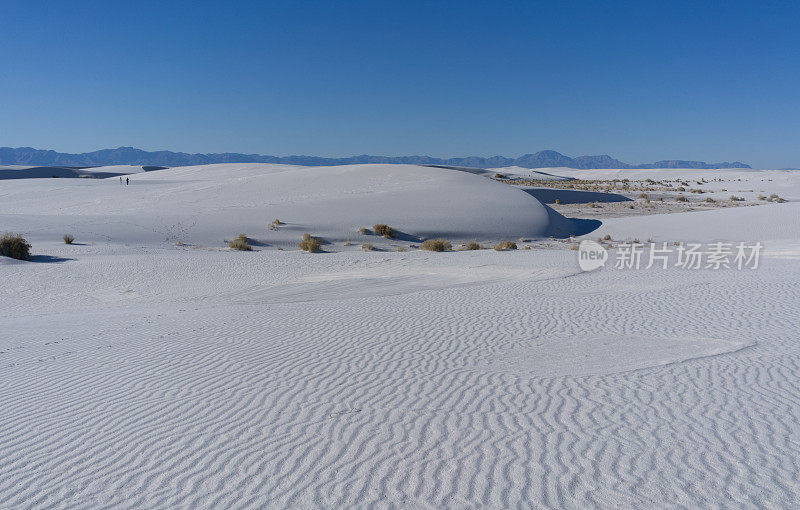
(140, 373)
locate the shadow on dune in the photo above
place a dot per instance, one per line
(47, 259)
(562, 227)
(571, 196)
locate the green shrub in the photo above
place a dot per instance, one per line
(436, 245)
(505, 245)
(383, 230)
(14, 246)
(310, 244)
(240, 243)
(68, 239)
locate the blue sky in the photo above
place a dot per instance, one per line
(639, 80)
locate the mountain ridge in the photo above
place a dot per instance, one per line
(134, 156)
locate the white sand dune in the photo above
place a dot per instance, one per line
(139, 374)
(47, 172)
(202, 205)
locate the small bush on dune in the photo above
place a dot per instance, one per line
(68, 239)
(734, 198)
(436, 245)
(14, 246)
(505, 245)
(681, 199)
(275, 224)
(363, 231)
(383, 230)
(310, 244)
(367, 247)
(240, 243)
(472, 245)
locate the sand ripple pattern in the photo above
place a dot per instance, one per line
(386, 402)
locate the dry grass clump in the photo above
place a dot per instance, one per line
(710, 200)
(363, 231)
(734, 198)
(558, 201)
(436, 245)
(383, 230)
(681, 199)
(275, 224)
(310, 243)
(14, 246)
(499, 176)
(472, 245)
(505, 245)
(240, 243)
(367, 247)
(68, 239)
(593, 205)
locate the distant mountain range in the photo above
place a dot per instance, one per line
(132, 156)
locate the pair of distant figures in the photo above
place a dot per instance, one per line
(127, 180)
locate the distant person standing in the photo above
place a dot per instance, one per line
(127, 181)
(120, 179)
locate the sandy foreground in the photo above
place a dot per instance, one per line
(147, 366)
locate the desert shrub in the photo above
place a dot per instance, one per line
(14, 246)
(436, 245)
(558, 201)
(607, 237)
(499, 176)
(472, 245)
(383, 230)
(68, 239)
(367, 247)
(710, 200)
(761, 197)
(593, 205)
(402, 248)
(780, 200)
(275, 224)
(505, 245)
(734, 198)
(681, 199)
(363, 231)
(310, 243)
(240, 243)
(527, 247)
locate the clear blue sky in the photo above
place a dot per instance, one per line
(639, 80)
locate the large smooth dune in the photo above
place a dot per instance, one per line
(204, 204)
